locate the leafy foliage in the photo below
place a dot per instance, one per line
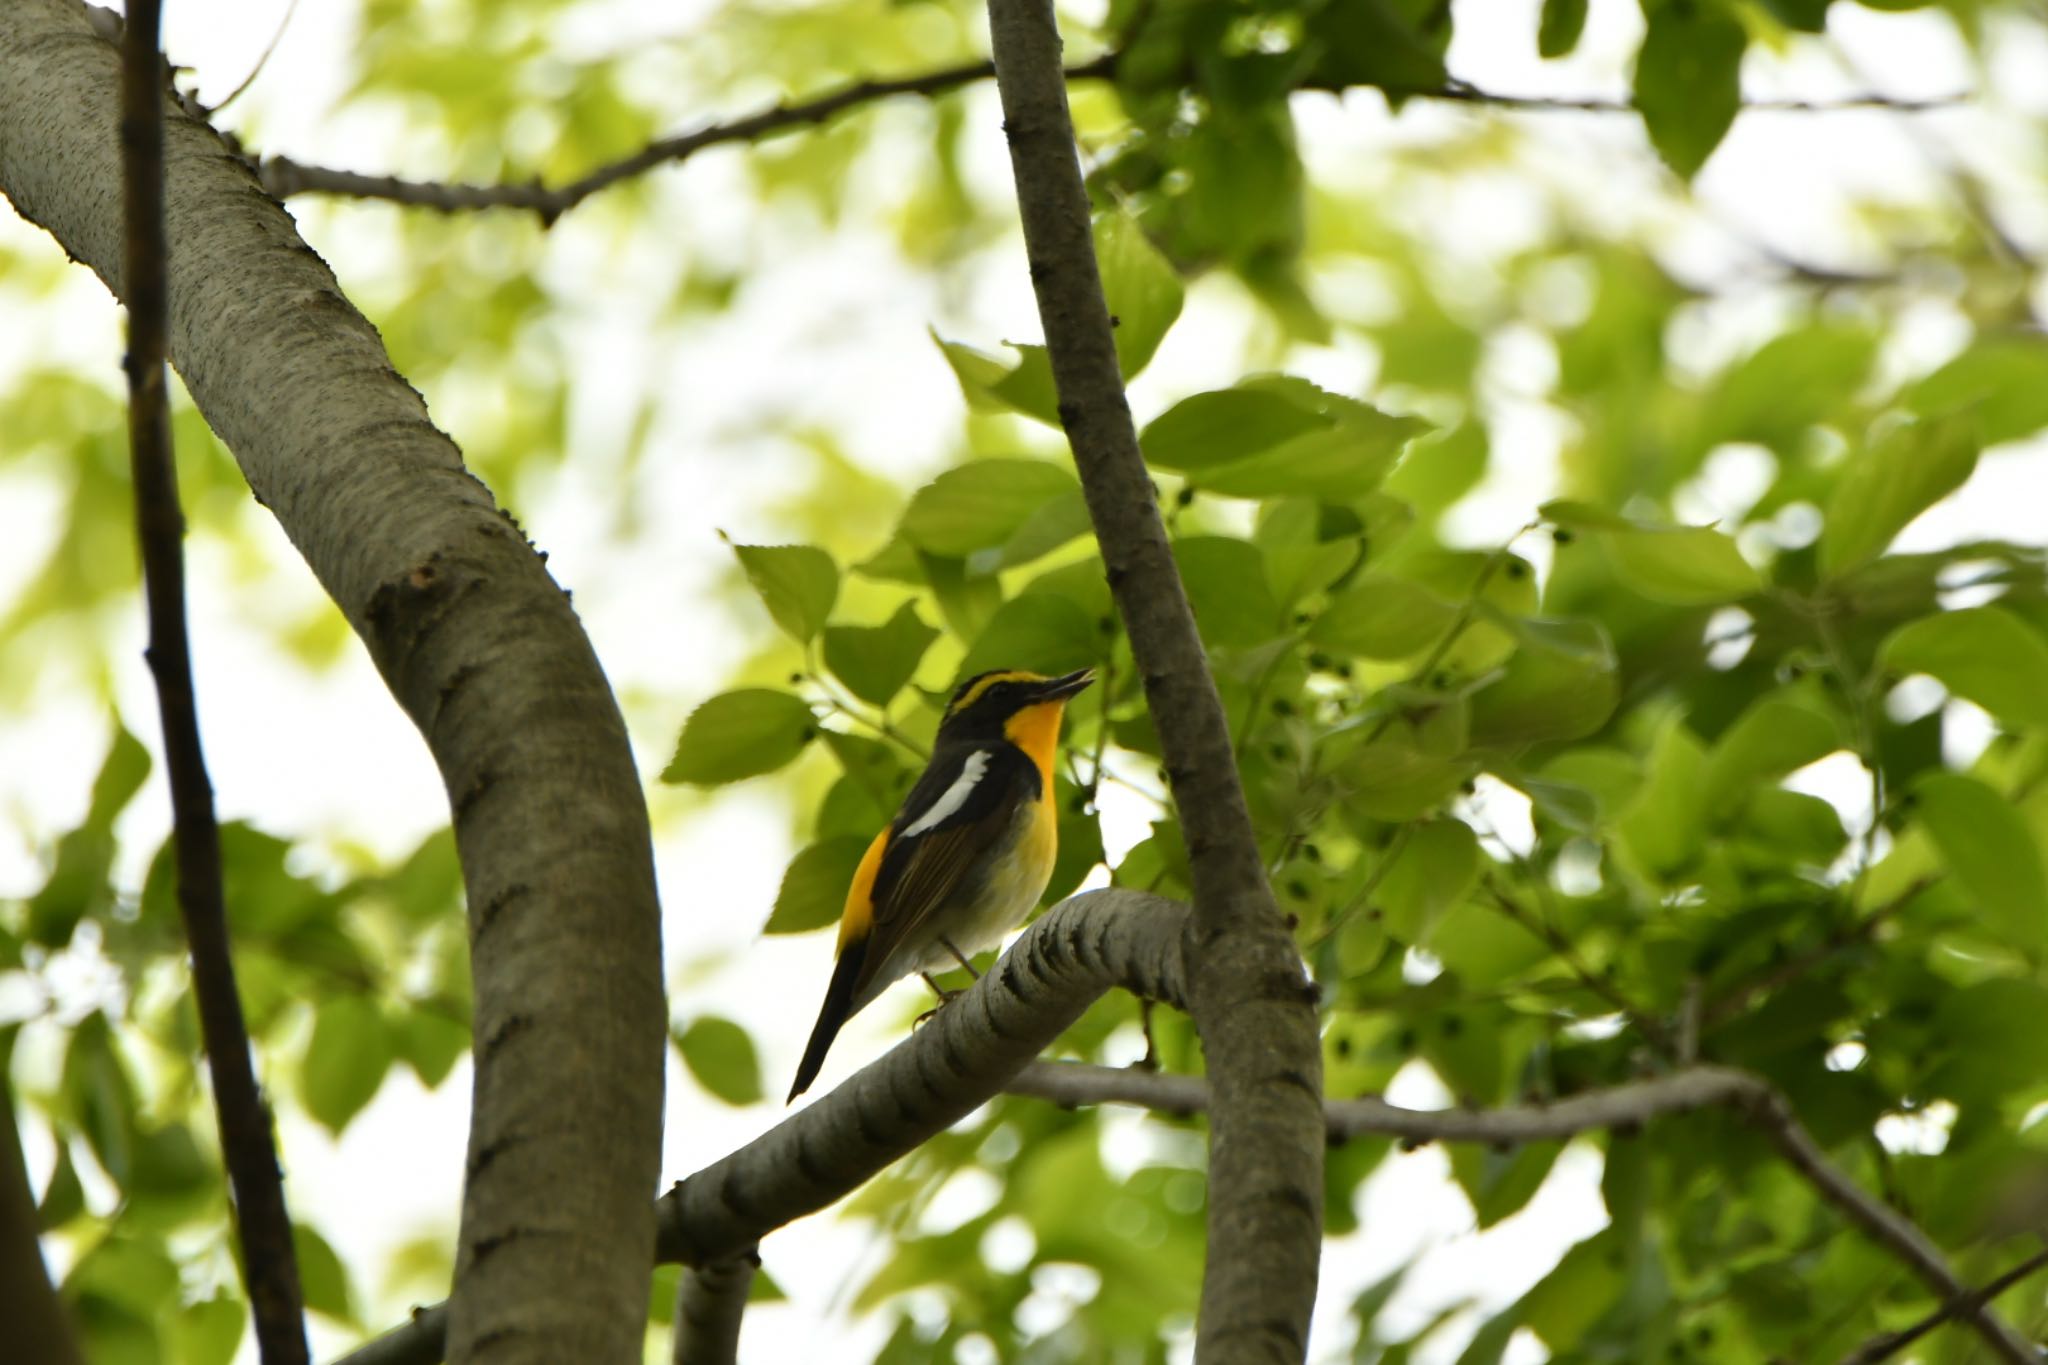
(1687, 756)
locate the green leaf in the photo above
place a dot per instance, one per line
(1055, 523)
(966, 598)
(740, 734)
(1391, 779)
(1984, 654)
(79, 882)
(981, 504)
(1688, 80)
(99, 1097)
(1040, 631)
(1905, 472)
(1216, 428)
(1382, 617)
(876, 661)
(994, 385)
(1380, 42)
(1339, 463)
(798, 583)
(1227, 586)
(720, 1054)
(429, 1042)
(345, 1061)
(63, 1197)
(1572, 1297)
(1560, 684)
(1436, 865)
(1772, 738)
(813, 891)
(1985, 842)
(1141, 287)
(1682, 565)
(1997, 379)
(1662, 827)
(1499, 1183)
(322, 1277)
(1557, 32)
(208, 1331)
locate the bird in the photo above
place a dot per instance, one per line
(966, 858)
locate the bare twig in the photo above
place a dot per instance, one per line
(1458, 92)
(1724, 1007)
(284, 177)
(710, 1302)
(1623, 1106)
(1885, 1225)
(1071, 1084)
(291, 8)
(247, 1143)
(1885, 1345)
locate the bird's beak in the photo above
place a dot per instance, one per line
(1066, 685)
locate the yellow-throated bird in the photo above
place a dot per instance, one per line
(965, 859)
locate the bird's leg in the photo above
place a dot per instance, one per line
(1150, 1061)
(938, 990)
(960, 958)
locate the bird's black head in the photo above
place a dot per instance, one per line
(984, 704)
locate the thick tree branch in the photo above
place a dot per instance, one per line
(248, 1142)
(478, 645)
(1251, 1001)
(711, 1300)
(943, 1072)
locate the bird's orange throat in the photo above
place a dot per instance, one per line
(1036, 730)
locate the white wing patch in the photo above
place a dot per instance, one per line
(954, 797)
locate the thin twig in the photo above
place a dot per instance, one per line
(1645, 1024)
(247, 1144)
(1738, 996)
(1887, 1344)
(284, 23)
(1886, 1225)
(1619, 1107)
(283, 176)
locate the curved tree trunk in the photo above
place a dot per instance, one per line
(478, 645)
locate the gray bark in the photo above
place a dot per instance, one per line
(1252, 1004)
(481, 649)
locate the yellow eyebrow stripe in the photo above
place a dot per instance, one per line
(982, 685)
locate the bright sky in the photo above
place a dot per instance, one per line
(844, 316)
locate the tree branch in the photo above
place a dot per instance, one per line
(284, 177)
(943, 1072)
(1885, 1345)
(248, 1143)
(38, 1327)
(710, 1302)
(1885, 1225)
(1070, 1084)
(1623, 1106)
(1252, 1003)
(478, 645)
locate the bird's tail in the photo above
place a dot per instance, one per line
(838, 1008)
